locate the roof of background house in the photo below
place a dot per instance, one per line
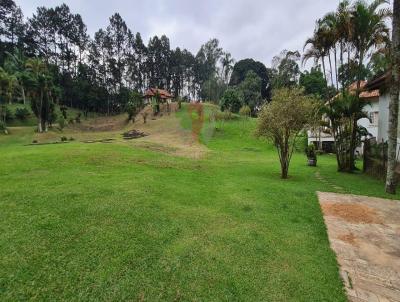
(365, 94)
(379, 82)
(164, 94)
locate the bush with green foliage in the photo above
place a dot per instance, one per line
(283, 120)
(9, 116)
(64, 110)
(78, 118)
(61, 123)
(22, 113)
(231, 100)
(132, 108)
(3, 126)
(310, 152)
(224, 116)
(249, 90)
(245, 111)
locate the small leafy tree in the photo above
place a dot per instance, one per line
(134, 105)
(131, 110)
(250, 90)
(61, 122)
(231, 100)
(283, 119)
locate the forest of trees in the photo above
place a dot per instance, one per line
(100, 73)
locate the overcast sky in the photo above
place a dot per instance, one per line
(256, 29)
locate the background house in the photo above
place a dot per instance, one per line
(382, 84)
(152, 93)
(377, 109)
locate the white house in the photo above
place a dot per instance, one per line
(376, 125)
(376, 95)
(381, 108)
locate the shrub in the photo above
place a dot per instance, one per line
(231, 100)
(64, 138)
(310, 152)
(22, 113)
(71, 121)
(61, 122)
(34, 141)
(78, 117)
(283, 119)
(245, 111)
(52, 118)
(224, 116)
(71, 139)
(131, 108)
(63, 110)
(9, 116)
(3, 127)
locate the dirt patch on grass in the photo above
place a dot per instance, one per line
(101, 124)
(354, 213)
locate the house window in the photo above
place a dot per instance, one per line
(373, 116)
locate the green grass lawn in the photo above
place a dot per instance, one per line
(109, 222)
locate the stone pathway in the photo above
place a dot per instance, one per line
(364, 232)
(325, 181)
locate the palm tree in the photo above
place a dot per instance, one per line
(368, 29)
(368, 32)
(394, 101)
(343, 113)
(315, 51)
(331, 30)
(343, 15)
(320, 46)
(40, 88)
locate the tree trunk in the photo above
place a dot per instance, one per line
(336, 68)
(40, 129)
(330, 66)
(341, 64)
(323, 67)
(23, 95)
(394, 101)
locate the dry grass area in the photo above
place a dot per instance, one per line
(164, 133)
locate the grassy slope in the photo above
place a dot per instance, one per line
(109, 222)
(32, 121)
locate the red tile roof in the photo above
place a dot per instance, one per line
(164, 94)
(365, 94)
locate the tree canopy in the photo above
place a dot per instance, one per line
(241, 69)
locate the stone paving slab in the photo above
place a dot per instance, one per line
(364, 232)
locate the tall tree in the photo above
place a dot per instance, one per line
(287, 70)
(41, 91)
(369, 31)
(394, 101)
(227, 66)
(241, 69)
